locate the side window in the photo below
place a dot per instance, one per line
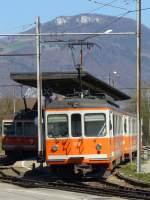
(30, 129)
(110, 125)
(115, 124)
(8, 128)
(125, 126)
(121, 125)
(118, 124)
(76, 125)
(129, 126)
(19, 128)
(95, 125)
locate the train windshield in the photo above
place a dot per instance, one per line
(8, 128)
(19, 128)
(30, 129)
(57, 126)
(95, 125)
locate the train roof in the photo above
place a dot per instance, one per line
(86, 103)
(25, 115)
(65, 83)
(81, 103)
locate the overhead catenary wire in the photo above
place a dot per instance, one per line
(22, 27)
(95, 60)
(119, 17)
(100, 7)
(108, 4)
(25, 54)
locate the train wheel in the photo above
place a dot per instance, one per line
(65, 171)
(100, 170)
(9, 153)
(54, 169)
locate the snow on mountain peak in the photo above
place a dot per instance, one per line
(85, 19)
(82, 19)
(61, 20)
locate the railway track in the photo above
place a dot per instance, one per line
(99, 188)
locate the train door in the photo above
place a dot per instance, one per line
(130, 139)
(117, 138)
(111, 134)
(76, 134)
(125, 136)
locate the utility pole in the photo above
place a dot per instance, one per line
(148, 99)
(39, 92)
(79, 67)
(138, 8)
(81, 56)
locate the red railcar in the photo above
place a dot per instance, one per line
(19, 135)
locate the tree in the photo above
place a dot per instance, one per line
(7, 107)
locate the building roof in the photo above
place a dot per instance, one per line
(66, 83)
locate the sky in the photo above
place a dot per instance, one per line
(19, 15)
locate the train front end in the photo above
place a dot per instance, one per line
(78, 133)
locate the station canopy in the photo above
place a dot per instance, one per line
(65, 83)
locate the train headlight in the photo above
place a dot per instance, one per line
(55, 147)
(98, 147)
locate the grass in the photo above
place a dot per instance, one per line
(130, 171)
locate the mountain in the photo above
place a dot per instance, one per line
(109, 54)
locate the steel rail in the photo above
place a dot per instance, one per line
(132, 181)
(104, 189)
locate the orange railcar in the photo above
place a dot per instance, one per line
(130, 136)
(84, 131)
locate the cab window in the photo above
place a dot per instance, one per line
(57, 125)
(9, 128)
(19, 128)
(30, 129)
(95, 125)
